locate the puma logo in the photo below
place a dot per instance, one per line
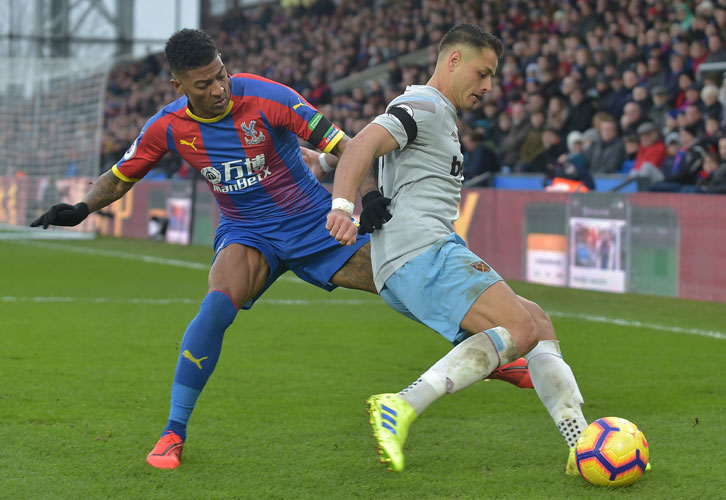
(299, 103)
(190, 144)
(191, 358)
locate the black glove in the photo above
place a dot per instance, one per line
(62, 214)
(375, 212)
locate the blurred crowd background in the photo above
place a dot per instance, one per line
(583, 88)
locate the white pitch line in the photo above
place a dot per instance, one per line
(639, 324)
(137, 257)
(113, 300)
(305, 302)
(118, 254)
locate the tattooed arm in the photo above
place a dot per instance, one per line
(107, 189)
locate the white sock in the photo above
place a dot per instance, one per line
(555, 385)
(470, 361)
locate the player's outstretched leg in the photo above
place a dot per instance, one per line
(199, 352)
(469, 362)
(555, 383)
(556, 387)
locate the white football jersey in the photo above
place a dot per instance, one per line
(422, 177)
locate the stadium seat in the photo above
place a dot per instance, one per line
(528, 182)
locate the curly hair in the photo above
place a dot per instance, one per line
(189, 49)
(472, 36)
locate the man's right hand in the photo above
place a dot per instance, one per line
(341, 227)
(62, 214)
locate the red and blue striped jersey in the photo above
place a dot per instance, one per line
(249, 155)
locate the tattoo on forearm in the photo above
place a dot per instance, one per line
(107, 189)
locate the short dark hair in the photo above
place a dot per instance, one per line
(189, 49)
(472, 36)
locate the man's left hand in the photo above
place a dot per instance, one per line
(375, 212)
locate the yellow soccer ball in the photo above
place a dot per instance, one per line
(612, 452)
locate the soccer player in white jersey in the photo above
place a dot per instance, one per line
(423, 269)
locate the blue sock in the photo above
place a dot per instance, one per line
(199, 352)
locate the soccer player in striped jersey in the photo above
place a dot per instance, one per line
(423, 269)
(241, 133)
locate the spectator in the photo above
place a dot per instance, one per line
(479, 158)
(590, 135)
(673, 145)
(651, 154)
(631, 143)
(553, 148)
(557, 113)
(607, 153)
(580, 111)
(500, 130)
(712, 133)
(713, 180)
(671, 121)
(632, 118)
(491, 110)
(692, 96)
(532, 145)
(684, 81)
(510, 148)
(642, 97)
(686, 165)
(721, 150)
(659, 108)
(535, 102)
(604, 92)
(395, 75)
(710, 104)
(676, 69)
(694, 118)
(573, 166)
(716, 49)
(619, 96)
(630, 81)
(698, 54)
(656, 73)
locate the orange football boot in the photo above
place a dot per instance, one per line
(516, 373)
(167, 452)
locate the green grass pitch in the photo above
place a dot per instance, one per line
(88, 345)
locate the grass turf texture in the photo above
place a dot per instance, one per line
(86, 379)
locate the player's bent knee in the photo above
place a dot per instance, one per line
(524, 332)
(545, 329)
(543, 322)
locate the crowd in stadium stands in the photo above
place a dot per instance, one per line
(583, 88)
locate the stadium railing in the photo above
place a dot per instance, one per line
(616, 182)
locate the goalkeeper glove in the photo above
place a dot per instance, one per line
(62, 214)
(375, 212)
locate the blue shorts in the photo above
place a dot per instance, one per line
(299, 243)
(438, 287)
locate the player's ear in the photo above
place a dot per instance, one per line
(455, 58)
(177, 85)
